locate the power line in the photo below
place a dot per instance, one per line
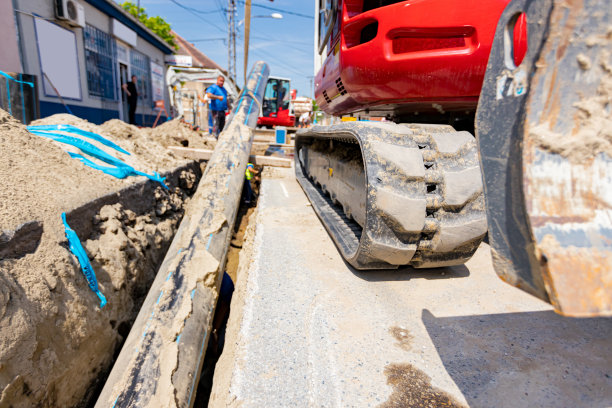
(201, 11)
(197, 14)
(279, 62)
(280, 43)
(207, 39)
(286, 42)
(283, 11)
(222, 10)
(280, 10)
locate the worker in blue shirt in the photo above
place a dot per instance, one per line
(218, 105)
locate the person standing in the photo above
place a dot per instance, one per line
(218, 105)
(131, 89)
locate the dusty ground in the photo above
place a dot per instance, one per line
(54, 339)
(306, 329)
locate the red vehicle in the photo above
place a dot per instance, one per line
(404, 59)
(277, 109)
(408, 192)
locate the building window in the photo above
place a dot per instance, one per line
(99, 63)
(141, 67)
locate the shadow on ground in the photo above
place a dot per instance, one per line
(407, 273)
(531, 359)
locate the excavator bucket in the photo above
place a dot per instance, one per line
(544, 129)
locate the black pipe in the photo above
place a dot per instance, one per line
(160, 362)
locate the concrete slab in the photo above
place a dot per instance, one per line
(308, 330)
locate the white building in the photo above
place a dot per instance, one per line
(84, 50)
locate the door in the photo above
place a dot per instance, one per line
(270, 105)
(123, 78)
(276, 96)
(276, 105)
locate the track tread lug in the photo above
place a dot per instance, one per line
(425, 205)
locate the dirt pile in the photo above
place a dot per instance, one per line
(148, 147)
(175, 133)
(39, 177)
(171, 133)
(55, 341)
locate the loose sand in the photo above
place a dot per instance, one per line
(55, 341)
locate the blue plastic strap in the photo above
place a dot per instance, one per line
(23, 113)
(7, 76)
(122, 169)
(86, 147)
(77, 249)
(252, 100)
(76, 130)
(119, 172)
(35, 115)
(8, 96)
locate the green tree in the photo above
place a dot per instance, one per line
(315, 107)
(156, 24)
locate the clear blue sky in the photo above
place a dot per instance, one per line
(285, 44)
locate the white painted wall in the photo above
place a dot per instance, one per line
(94, 17)
(9, 51)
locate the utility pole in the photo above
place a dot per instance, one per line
(311, 78)
(247, 33)
(231, 40)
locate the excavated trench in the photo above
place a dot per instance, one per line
(57, 344)
(129, 234)
(222, 312)
(60, 343)
(126, 235)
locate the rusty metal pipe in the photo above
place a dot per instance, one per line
(160, 362)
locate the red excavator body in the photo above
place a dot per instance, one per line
(410, 57)
(411, 191)
(277, 104)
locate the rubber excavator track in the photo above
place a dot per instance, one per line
(394, 194)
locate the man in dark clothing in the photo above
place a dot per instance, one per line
(218, 105)
(132, 98)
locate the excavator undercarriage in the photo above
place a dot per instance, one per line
(415, 189)
(409, 194)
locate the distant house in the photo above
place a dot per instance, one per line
(84, 51)
(199, 59)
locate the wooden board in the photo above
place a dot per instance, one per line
(205, 154)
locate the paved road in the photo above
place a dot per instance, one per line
(308, 330)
